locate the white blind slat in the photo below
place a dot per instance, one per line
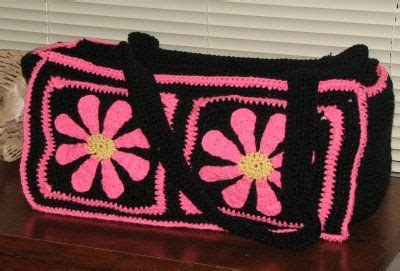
(114, 11)
(304, 13)
(361, 5)
(396, 155)
(120, 24)
(22, 36)
(22, 14)
(26, 26)
(187, 5)
(25, 4)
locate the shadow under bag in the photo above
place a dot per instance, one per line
(281, 151)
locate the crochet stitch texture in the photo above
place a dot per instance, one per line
(281, 151)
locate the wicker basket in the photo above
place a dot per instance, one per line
(12, 97)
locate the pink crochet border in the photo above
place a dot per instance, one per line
(222, 81)
(170, 102)
(57, 84)
(187, 205)
(335, 117)
(269, 220)
(232, 81)
(362, 93)
(71, 44)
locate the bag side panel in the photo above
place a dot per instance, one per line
(374, 172)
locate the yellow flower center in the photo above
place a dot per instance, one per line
(101, 146)
(256, 165)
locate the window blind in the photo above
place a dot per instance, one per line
(268, 28)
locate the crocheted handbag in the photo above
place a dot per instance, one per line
(280, 151)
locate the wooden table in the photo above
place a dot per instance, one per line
(35, 241)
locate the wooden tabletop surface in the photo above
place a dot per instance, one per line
(36, 241)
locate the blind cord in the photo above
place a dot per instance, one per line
(47, 23)
(396, 8)
(206, 26)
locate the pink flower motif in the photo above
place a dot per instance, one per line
(102, 147)
(251, 166)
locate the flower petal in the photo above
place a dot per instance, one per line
(218, 173)
(67, 153)
(275, 177)
(110, 180)
(216, 144)
(88, 108)
(273, 134)
(83, 177)
(136, 166)
(136, 138)
(65, 125)
(277, 160)
(237, 194)
(117, 115)
(267, 202)
(243, 122)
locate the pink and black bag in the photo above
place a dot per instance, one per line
(280, 151)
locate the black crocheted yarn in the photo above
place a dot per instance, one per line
(338, 113)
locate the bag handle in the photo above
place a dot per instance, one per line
(143, 94)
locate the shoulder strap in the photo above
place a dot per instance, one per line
(297, 171)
